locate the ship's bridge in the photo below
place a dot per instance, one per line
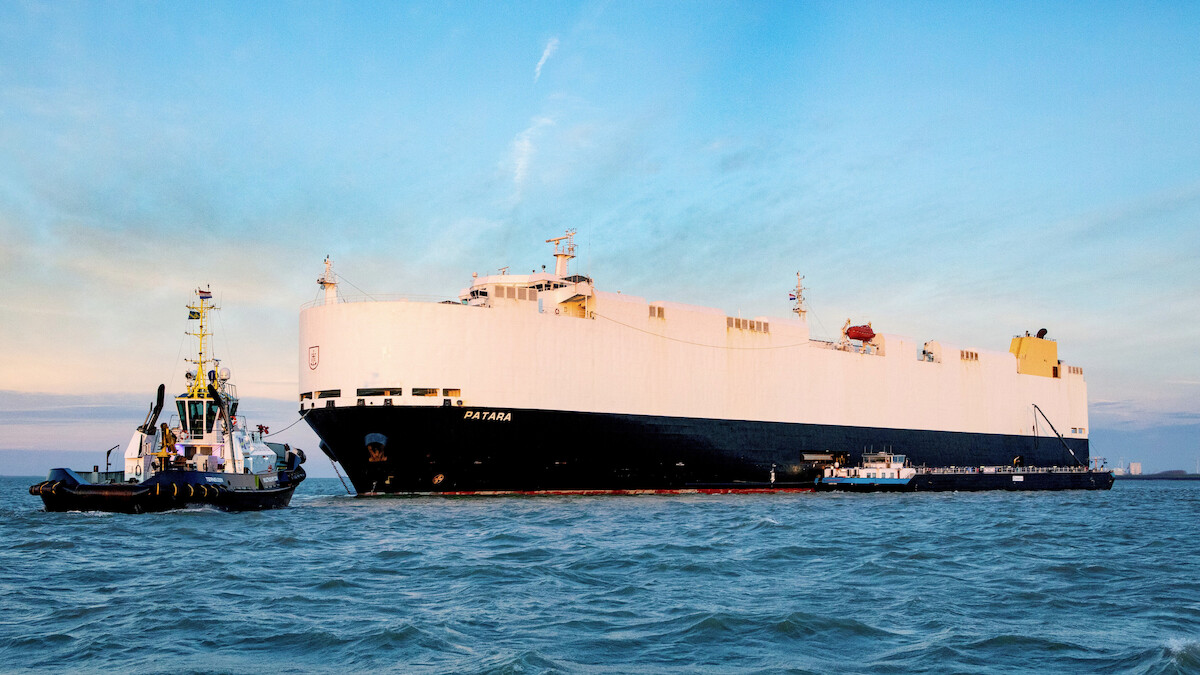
(484, 290)
(526, 287)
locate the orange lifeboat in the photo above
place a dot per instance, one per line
(863, 333)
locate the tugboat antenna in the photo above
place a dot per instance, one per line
(198, 386)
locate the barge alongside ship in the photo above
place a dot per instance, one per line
(546, 383)
(887, 472)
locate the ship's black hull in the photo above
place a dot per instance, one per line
(386, 449)
(64, 490)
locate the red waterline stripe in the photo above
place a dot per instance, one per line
(596, 493)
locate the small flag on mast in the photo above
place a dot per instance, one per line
(204, 295)
(193, 314)
(791, 296)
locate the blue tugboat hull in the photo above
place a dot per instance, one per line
(66, 490)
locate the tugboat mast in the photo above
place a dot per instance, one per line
(198, 387)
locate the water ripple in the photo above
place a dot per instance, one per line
(972, 582)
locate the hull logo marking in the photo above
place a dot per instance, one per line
(314, 357)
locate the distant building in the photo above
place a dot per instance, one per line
(1118, 471)
(1135, 468)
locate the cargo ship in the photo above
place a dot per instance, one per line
(546, 382)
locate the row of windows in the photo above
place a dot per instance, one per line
(967, 355)
(516, 293)
(397, 391)
(747, 324)
(1075, 370)
(656, 312)
(1078, 430)
(382, 391)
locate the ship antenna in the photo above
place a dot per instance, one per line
(563, 252)
(798, 296)
(328, 282)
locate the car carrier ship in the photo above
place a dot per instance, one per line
(546, 383)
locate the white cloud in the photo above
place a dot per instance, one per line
(523, 150)
(551, 47)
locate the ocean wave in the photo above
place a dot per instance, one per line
(724, 584)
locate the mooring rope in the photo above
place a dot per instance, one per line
(339, 475)
(302, 414)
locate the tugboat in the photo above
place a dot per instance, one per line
(879, 472)
(206, 456)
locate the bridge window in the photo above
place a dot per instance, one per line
(424, 392)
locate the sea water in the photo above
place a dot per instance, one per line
(901, 583)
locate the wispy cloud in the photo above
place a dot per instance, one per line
(523, 150)
(551, 47)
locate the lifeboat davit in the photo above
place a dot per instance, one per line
(863, 333)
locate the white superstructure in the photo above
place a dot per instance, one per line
(556, 342)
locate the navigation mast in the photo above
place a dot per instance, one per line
(562, 252)
(328, 282)
(198, 387)
(798, 296)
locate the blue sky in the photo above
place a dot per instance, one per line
(947, 171)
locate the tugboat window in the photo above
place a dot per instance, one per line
(210, 417)
(195, 416)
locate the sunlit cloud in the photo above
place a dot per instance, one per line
(551, 47)
(523, 150)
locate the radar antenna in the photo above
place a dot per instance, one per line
(562, 252)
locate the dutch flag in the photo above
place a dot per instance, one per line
(791, 296)
(204, 295)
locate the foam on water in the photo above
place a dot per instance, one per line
(990, 582)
